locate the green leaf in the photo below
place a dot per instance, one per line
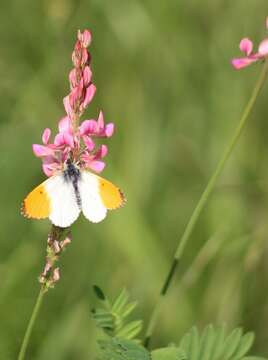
(99, 293)
(170, 353)
(218, 342)
(119, 349)
(112, 317)
(207, 342)
(129, 308)
(104, 319)
(131, 330)
(194, 346)
(245, 344)
(231, 344)
(120, 302)
(213, 344)
(185, 343)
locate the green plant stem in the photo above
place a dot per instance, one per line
(29, 329)
(203, 200)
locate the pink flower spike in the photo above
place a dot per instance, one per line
(266, 22)
(84, 37)
(46, 136)
(246, 46)
(76, 140)
(241, 63)
(263, 48)
(109, 129)
(97, 166)
(90, 92)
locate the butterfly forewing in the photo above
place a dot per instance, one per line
(37, 204)
(111, 196)
(64, 207)
(54, 199)
(98, 195)
(92, 206)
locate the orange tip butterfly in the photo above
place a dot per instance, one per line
(64, 195)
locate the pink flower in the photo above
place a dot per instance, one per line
(54, 154)
(87, 130)
(96, 128)
(246, 46)
(93, 161)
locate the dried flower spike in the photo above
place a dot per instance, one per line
(55, 245)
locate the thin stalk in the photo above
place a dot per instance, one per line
(29, 329)
(203, 200)
(58, 239)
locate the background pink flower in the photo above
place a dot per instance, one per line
(246, 46)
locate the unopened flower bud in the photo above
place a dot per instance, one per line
(84, 38)
(87, 74)
(56, 275)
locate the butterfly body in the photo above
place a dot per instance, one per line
(72, 174)
(63, 196)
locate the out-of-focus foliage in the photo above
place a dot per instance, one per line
(113, 317)
(163, 75)
(212, 344)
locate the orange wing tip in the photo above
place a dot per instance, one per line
(37, 204)
(23, 210)
(112, 197)
(24, 213)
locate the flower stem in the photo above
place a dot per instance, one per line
(29, 329)
(203, 200)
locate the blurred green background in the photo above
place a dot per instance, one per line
(163, 75)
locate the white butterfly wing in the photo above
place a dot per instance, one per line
(92, 205)
(64, 208)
